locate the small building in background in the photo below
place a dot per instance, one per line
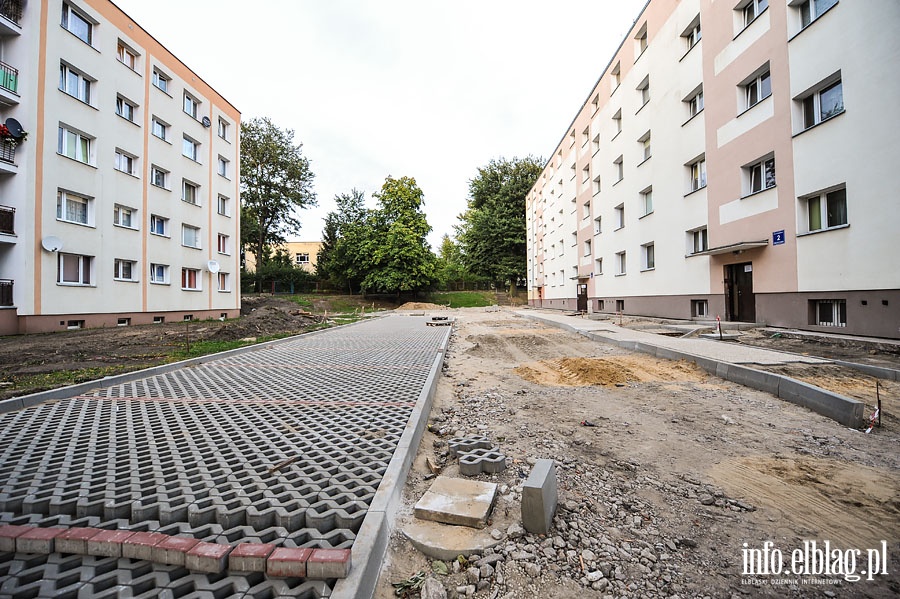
(303, 254)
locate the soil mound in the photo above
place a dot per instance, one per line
(420, 306)
(621, 370)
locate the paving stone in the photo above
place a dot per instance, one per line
(107, 543)
(37, 540)
(74, 540)
(140, 545)
(328, 563)
(539, 497)
(172, 550)
(288, 562)
(207, 557)
(457, 501)
(249, 557)
(8, 535)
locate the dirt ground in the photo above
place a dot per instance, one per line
(680, 470)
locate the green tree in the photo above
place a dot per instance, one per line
(276, 181)
(400, 259)
(450, 271)
(342, 260)
(492, 230)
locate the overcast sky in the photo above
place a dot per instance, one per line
(417, 88)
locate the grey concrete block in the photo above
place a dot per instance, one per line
(845, 410)
(539, 497)
(756, 379)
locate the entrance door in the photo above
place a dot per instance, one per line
(740, 303)
(581, 306)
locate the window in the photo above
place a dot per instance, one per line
(698, 174)
(757, 89)
(123, 322)
(222, 245)
(616, 76)
(126, 56)
(74, 145)
(647, 201)
(190, 148)
(125, 162)
(223, 282)
(125, 108)
(159, 128)
(640, 41)
(826, 210)
(813, 9)
(75, 83)
(753, 9)
(823, 104)
(760, 175)
(159, 177)
(829, 312)
(125, 217)
(598, 266)
(598, 225)
(648, 256)
(161, 80)
(124, 270)
(620, 170)
(644, 90)
(699, 308)
(645, 146)
(223, 129)
(222, 167)
(73, 269)
(190, 236)
(596, 185)
(619, 213)
(159, 319)
(77, 24)
(699, 240)
(190, 192)
(302, 258)
(695, 102)
(72, 208)
(190, 279)
(620, 304)
(587, 247)
(595, 144)
(223, 206)
(595, 103)
(620, 263)
(159, 225)
(159, 274)
(191, 105)
(692, 34)
(617, 121)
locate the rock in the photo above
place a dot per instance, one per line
(486, 571)
(432, 589)
(515, 531)
(532, 570)
(589, 556)
(706, 499)
(482, 584)
(496, 535)
(600, 585)
(594, 576)
(489, 560)
(473, 575)
(689, 543)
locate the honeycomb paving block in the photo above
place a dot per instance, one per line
(476, 461)
(459, 445)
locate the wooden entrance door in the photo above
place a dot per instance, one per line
(740, 302)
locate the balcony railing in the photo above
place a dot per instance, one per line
(9, 77)
(11, 9)
(7, 152)
(6, 292)
(7, 220)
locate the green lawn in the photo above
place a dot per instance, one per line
(463, 299)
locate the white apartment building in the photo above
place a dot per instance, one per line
(734, 159)
(120, 206)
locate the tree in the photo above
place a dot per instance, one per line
(400, 259)
(342, 259)
(276, 181)
(492, 230)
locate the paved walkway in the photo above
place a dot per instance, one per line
(732, 353)
(285, 444)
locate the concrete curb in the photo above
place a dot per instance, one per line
(372, 539)
(25, 401)
(845, 410)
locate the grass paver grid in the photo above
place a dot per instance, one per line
(196, 453)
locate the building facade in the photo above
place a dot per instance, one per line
(120, 205)
(303, 254)
(736, 160)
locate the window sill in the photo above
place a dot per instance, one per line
(641, 54)
(824, 230)
(125, 280)
(160, 235)
(159, 283)
(190, 247)
(692, 192)
(643, 161)
(76, 160)
(614, 90)
(808, 25)
(224, 253)
(223, 214)
(73, 222)
(648, 269)
(125, 227)
(162, 139)
(749, 108)
(619, 274)
(618, 133)
(828, 120)
(77, 99)
(194, 160)
(160, 187)
(618, 228)
(162, 90)
(695, 115)
(619, 181)
(227, 178)
(126, 173)
(645, 215)
(747, 26)
(225, 139)
(642, 107)
(64, 284)
(693, 254)
(190, 289)
(224, 290)
(694, 45)
(125, 118)
(190, 203)
(597, 233)
(135, 71)
(756, 193)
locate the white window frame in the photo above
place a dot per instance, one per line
(619, 213)
(598, 225)
(811, 103)
(647, 201)
(838, 309)
(190, 148)
(751, 10)
(223, 244)
(620, 168)
(808, 11)
(159, 128)
(160, 80)
(156, 218)
(648, 256)
(223, 129)
(72, 18)
(692, 34)
(62, 208)
(83, 144)
(125, 108)
(697, 174)
(616, 73)
(85, 270)
(698, 240)
(819, 203)
(644, 89)
(641, 41)
(191, 106)
(120, 266)
(621, 263)
(759, 175)
(126, 162)
(617, 119)
(127, 56)
(190, 192)
(159, 274)
(223, 204)
(222, 167)
(119, 212)
(298, 258)
(195, 231)
(759, 84)
(694, 102)
(646, 150)
(185, 279)
(159, 177)
(70, 77)
(223, 282)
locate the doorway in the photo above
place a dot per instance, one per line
(740, 302)
(582, 302)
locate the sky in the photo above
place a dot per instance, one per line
(418, 88)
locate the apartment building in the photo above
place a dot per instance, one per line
(737, 160)
(120, 203)
(303, 254)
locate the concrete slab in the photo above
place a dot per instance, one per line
(539, 497)
(457, 501)
(445, 542)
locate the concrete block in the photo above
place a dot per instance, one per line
(539, 497)
(457, 501)
(75, 540)
(755, 379)
(288, 562)
(328, 563)
(172, 550)
(8, 536)
(670, 354)
(722, 370)
(207, 557)
(848, 411)
(140, 545)
(107, 543)
(249, 557)
(38, 540)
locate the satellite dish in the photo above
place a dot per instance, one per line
(206, 122)
(15, 128)
(51, 243)
(212, 266)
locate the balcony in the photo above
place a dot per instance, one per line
(9, 84)
(8, 157)
(10, 15)
(7, 222)
(6, 292)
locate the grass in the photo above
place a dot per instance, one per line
(463, 299)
